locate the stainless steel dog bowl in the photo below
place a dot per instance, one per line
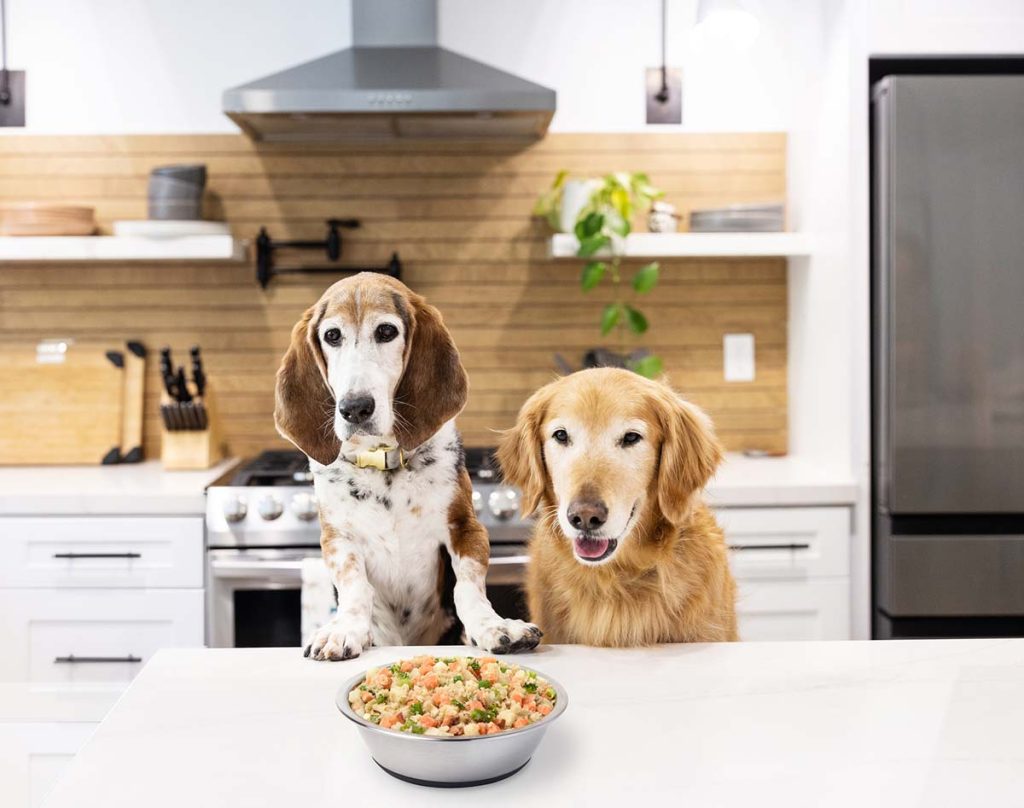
(430, 760)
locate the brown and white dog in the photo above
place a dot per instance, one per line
(369, 390)
(625, 552)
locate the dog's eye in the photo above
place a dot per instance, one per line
(561, 436)
(332, 336)
(385, 332)
(631, 438)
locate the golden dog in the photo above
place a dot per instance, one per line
(625, 551)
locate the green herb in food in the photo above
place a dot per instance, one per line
(485, 684)
(550, 693)
(474, 664)
(382, 698)
(416, 709)
(457, 677)
(416, 729)
(374, 718)
(458, 704)
(530, 687)
(483, 716)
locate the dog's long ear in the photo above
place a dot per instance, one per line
(690, 453)
(521, 454)
(433, 386)
(304, 404)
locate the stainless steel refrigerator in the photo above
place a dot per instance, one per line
(948, 355)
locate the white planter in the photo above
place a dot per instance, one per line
(575, 196)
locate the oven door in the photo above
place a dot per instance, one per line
(506, 580)
(254, 597)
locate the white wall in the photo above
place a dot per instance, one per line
(119, 66)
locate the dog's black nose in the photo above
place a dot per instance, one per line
(587, 514)
(356, 409)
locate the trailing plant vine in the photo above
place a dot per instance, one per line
(601, 228)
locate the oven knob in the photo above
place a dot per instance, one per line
(478, 501)
(235, 509)
(503, 502)
(304, 507)
(270, 507)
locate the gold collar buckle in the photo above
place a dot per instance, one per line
(383, 458)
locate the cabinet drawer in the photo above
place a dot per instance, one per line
(33, 757)
(67, 638)
(794, 610)
(787, 543)
(101, 551)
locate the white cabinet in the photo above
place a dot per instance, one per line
(33, 756)
(103, 552)
(816, 609)
(84, 602)
(792, 570)
(92, 637)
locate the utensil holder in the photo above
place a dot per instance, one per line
(193, 449)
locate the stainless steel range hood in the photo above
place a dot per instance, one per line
(394, 82)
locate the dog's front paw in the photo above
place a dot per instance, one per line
(338, 639)
(506, 636)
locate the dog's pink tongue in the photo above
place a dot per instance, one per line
(591, 548)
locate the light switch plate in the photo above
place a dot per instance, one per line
(738, 353)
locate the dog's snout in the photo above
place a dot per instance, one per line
(357, 408)
(587, 514)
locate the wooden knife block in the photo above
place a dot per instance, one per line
(191, 450)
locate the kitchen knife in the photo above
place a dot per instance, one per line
(198, 376)
(166, 371)
(181, 387)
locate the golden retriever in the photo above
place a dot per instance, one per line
(625, 551)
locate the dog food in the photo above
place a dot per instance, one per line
(452, 696)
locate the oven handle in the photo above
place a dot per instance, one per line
(510, 561)
(247, 568)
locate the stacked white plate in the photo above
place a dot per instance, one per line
(169, 228)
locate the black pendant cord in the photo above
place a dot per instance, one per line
(662, 94)
(5, 79)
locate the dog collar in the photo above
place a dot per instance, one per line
(383, 458)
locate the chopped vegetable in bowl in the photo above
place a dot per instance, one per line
(452, 696)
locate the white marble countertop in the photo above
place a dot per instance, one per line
(744, 481)
(129, 489)
(898, 723)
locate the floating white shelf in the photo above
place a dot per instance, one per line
(121, 248)
(696, 245)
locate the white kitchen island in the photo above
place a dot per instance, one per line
(926, 723)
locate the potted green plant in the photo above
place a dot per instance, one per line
(601, 226)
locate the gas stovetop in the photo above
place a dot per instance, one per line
(268, 501)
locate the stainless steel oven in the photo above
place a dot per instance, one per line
(262, 524)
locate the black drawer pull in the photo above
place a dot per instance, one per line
(769, 547)
(71, 659)
(97, 555)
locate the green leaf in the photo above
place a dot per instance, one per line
(589, 225)
(592, 274)
(646, 277)
(616, 223)
(621, 202)
(589, 246)
(610, 317)
(636, 321)
(650, 366)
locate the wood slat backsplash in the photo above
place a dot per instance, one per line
(458, 215)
